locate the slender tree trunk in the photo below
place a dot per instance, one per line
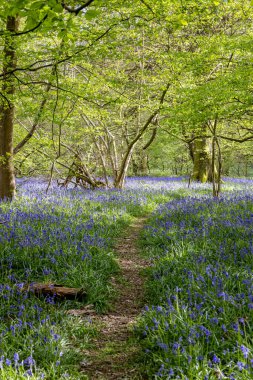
(238, 169)
(219, 167)
(7, 176)
(246, 169)
(119, 181)
(102, 160)
(215, 193)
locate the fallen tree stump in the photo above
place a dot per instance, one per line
(58, 291)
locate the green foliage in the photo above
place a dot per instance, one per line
(110, 63)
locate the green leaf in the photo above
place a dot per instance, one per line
(90, 14)
(58, 8)
(184, 22)
(31, 22)
(70, 36)
(37, 5)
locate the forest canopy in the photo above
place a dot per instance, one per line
(92, 91)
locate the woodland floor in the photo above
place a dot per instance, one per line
(115, 354)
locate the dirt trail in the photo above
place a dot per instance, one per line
(114, 355)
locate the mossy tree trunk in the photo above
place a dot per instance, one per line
(200, 151)
(7, 176)
(201, 161)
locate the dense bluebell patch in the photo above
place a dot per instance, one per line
(64, 236)
(201, 288)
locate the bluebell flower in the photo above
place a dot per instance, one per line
(16, 357)
(215, 359)
(29, 361)
(171, 372)
(175, 347)
(29, 373)
(240, 365)
(245, 350)
(163, 346)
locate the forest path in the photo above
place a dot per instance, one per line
(114, 354)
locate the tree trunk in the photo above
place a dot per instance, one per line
(202, 161)
(7, 176)
(238, 169)
(246, 169)
(119, 181)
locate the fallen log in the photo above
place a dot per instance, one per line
(58, 291)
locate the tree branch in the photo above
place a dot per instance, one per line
(152, 138)
(129, 152)
(32, 67)
(147, 6)
(26, 31)
(78, 9)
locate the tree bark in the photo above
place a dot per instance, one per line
(202, 162)
(7, 176)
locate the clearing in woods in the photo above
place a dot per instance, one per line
(114, 356)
